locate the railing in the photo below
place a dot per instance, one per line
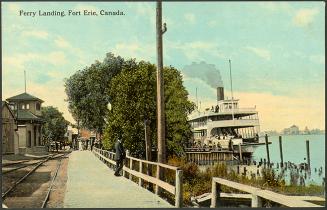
(128, 169)
(257, 195)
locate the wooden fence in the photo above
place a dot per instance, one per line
(257, 195)
(143, 173)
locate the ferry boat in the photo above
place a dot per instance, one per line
(226, 126)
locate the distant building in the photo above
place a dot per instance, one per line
(10, 139)
(293, 130)
(27, 109)
(87, 134)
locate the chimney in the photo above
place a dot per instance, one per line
(220, 93)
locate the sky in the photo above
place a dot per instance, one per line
(276, 51)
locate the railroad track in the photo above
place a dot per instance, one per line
(30, 172)
(18, 165)
(44, 203)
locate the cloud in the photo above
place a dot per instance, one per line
(262, 53)
(304, 17)
(20, 60)
(320, 59)
(13, 7)
(135, 49)
(144, 9)
(275, 6)
(196, 50)
(212, 23)
(190, 18)
(36, 34)
(62, 43)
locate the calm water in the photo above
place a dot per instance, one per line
(294, 150)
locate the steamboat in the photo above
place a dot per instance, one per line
(225, 127)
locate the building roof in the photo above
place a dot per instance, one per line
(26, 115)
(24, 97)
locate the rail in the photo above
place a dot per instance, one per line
(257, 195)
(145, 175)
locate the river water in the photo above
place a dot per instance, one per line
(294, 150)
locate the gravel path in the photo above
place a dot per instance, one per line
(91, 184)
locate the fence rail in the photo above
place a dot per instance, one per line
(144, 175)
(257, 195)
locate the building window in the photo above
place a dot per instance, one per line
(23, 106)
(38, 107)
(27, 106)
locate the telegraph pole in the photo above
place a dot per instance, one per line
(160, 88)
(160, 95)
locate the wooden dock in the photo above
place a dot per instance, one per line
(208, 156)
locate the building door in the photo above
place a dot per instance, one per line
(34, 135)
(29, 139)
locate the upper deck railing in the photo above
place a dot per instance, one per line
(142, 170)
(210, 112)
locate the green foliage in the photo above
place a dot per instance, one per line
(271, 179)
(87, 91)
(133, 99)
(55, 125)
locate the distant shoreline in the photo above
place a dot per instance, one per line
(315, 134)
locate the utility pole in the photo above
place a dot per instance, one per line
(160, 95)
(160, 88)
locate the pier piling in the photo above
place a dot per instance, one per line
(308, 154)
(281, 151)
(267, 148)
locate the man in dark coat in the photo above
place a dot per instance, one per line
(120, 156)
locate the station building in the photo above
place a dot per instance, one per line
(9, 127)
(27, 109)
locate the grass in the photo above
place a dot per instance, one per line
(196, 183)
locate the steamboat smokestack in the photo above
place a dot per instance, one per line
(220, 93)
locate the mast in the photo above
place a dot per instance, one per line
(25, 79)
(231, 87)
(196, 95)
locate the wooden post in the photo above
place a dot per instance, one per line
(157, 189)
(308, 154)
(215, 194)
(131, 167)
(256, 201)
(147, 141)
(240, 150)
(124, 163)
(179, 189)
(140, 170)
(281, 151)
(267, 148)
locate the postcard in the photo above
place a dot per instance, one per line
(163, 104)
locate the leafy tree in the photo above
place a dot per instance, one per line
(55, 125)
(87, 92)
(133, 98)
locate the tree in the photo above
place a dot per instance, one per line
(133, 95)
(55, 125)
(87, 92)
